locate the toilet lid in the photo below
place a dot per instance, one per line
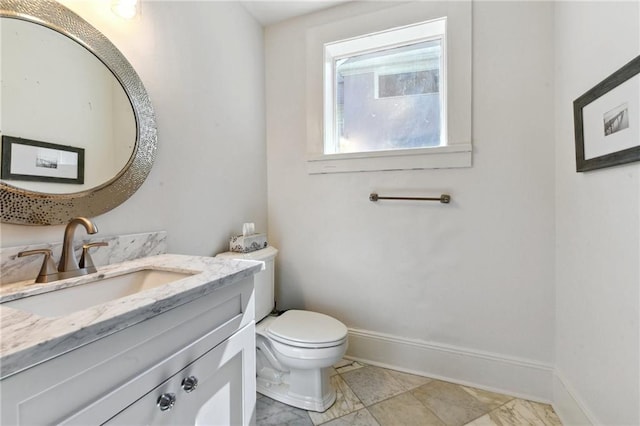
(307, 328)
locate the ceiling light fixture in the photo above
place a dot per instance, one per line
(126, 9)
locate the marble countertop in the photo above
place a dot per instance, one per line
(27, 339)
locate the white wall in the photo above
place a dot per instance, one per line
(203, 66)
(477, 274)
(597, 230)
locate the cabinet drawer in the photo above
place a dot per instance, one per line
(223, 396)
(59, 388)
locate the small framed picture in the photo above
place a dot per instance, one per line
(607, 121)
(28, 160)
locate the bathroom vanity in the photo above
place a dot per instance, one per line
(182, 352)
(164, 339)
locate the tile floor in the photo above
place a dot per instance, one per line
(373, 396)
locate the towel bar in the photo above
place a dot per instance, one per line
(444, 198)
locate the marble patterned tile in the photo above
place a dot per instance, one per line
(519, 412)
(372, 384)
(490, 399)
(359, 418)
(409, 381)
(347, 365)
(544, 412)
(274, 413)
(346, 402)
(450, 402)
(405, 410)
(428, 402)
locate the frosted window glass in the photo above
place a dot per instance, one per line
(389, 99)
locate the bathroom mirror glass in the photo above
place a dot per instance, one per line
(67, 90)
(76, 101)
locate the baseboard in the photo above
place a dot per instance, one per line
(494, 372)
(567, 405)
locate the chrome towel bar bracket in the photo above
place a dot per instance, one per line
(444, 198)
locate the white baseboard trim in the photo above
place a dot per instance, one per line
(568, 406)
(494, 372)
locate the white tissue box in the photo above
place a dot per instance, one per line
(253, 242)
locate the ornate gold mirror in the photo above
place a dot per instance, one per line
(78, 128)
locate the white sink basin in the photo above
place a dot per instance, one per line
(72, 299)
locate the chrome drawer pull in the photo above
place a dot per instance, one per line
(166, 401)
(189, 384)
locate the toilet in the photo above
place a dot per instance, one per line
(295, 350)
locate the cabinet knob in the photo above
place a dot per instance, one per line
(190, 383)
(166, 401)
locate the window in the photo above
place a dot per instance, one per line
(386, 91)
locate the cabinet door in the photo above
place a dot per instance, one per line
(224, 395)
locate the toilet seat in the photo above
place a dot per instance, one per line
(305, 329)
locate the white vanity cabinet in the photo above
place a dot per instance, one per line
(216, 400)
(128, 377)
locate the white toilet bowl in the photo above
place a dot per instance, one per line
(295, 352)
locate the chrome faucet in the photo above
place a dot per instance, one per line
(68, 266)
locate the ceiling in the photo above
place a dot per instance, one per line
(269, 12)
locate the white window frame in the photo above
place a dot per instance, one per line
(458, 151)
(435, 29)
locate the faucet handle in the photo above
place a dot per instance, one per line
(85, 261)
(48, 271)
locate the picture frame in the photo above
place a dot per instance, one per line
(36, 161)
(607, 121)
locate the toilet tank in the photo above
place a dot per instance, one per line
(264, 281)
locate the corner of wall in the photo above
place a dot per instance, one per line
(567, 404)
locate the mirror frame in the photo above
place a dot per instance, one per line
(21, 206)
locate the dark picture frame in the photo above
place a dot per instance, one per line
(607, 121)
(36, 161)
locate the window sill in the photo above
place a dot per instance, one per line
(441, 157)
